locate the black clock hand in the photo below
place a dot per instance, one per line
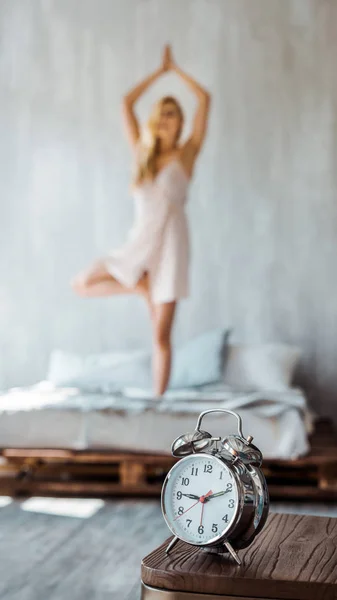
(217, 494)
(192, 496)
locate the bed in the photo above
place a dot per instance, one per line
(93, 428)
(46, 416)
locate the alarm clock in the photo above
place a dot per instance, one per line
(216, 495)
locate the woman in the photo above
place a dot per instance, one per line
(154, 260)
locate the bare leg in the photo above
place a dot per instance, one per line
(97, 282)
(163, 317)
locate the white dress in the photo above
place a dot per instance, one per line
(158, 243)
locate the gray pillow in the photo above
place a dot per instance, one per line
(200, 361)
(106, 372)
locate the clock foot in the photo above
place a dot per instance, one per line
(171, 544)
(232, 552)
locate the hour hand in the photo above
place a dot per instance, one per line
(192, 496)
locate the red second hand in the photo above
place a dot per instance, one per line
(185, 511)
(201, 499)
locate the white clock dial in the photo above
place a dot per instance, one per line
(200, 499)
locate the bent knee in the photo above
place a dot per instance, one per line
(80, 285)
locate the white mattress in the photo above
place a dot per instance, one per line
(45, 417)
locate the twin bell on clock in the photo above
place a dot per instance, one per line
(216, 495)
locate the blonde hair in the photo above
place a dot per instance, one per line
(146, 163)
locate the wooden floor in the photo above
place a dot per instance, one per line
(47, 557)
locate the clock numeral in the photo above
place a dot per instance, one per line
(188, 521)
(229, 487)
(208, 468)
(194, 471)
(225, 518)
(214, 528)
(180, 510)
(201, 529)
(179, 495)
(221, 474)
(185, 481)
(231, 504)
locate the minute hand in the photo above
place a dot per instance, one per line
(215, 495)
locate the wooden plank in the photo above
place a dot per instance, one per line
(77, 470)
(76, 488)
(320, 457)
(324, 455)
(293, 492)
(132, 474)
(292, 474)
(47, 454)
(327, 478)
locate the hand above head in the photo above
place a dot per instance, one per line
(131, 121)
(167, 61)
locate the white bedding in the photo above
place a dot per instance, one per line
(44, 416)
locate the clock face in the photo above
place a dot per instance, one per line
(200, 499)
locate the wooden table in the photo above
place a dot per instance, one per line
(293, 558)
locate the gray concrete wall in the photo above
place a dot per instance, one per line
(263, 206)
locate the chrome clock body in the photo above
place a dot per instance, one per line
(216, 495)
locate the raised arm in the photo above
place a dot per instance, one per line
(129, 116)
(201, 116)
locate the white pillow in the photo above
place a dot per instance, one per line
(260, 366)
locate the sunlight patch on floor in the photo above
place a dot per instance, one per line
(5, 500)
(82, 508)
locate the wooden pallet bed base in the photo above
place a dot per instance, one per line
(107, 473)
